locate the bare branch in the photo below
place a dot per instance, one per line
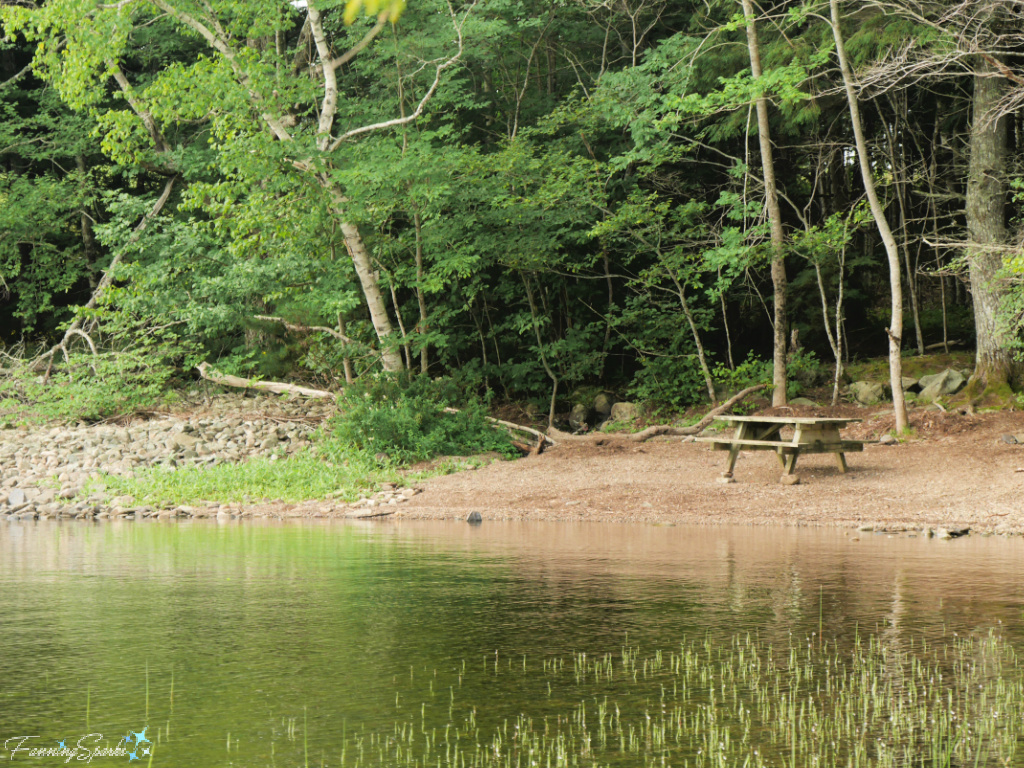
(143, 114)
(440, 68)
(11, 81)
(108, 276)
(299, 328)
(352, 52)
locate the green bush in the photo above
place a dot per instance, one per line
(674, 382)
(404, 417)
(87, 387)
(803, 370)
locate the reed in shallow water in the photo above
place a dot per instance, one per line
(741, 704)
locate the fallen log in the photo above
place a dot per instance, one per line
(664, 429)
(277, 387)
(541, 437)
(281, 388)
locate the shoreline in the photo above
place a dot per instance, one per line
(957, 471)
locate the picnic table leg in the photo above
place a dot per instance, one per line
(734, 454)
(832, 436)
(742, 432)
(790, 462)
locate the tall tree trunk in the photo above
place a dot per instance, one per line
(774, 215)
(391, 357)
(895, 330)
(986, 228)
(897, 157)
(88, 238)
(346, 361)
(421, 298)
(535, 316)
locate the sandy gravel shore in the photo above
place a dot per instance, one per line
(957, 471)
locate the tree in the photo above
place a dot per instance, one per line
(987, 190)
(774, 215)
(266, 79)
(895, 329)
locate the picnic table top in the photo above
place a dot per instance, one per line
(787, 419)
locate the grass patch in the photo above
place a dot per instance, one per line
(296, 478)
(307, 476)
(741, 703)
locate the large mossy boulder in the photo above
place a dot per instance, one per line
(625, 412)
(603, 403)
(949, 382)
(867, 392)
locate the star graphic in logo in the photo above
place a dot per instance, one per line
(61, 744)
(132, 756)
(141, 736)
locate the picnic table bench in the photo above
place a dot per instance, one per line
(764, 433)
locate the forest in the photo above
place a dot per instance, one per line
(658, 198)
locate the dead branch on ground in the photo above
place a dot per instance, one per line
(277, 387)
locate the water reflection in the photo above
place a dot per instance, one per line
(248, 642)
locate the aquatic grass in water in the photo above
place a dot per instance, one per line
(745, 704)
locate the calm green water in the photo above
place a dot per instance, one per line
(258, 645)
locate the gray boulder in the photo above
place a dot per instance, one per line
(16, 498)
(625, 412)
(867, 392)
(184, 440)
(578, 416)
(802, 401)
(948, 382)
(603, 403)
(909, 383)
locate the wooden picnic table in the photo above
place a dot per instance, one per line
(764, 433)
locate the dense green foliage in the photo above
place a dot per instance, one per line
(403, 419)
(541, 196)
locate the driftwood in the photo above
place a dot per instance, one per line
(664, 429)
(276, 387)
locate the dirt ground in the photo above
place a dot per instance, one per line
(956, 471)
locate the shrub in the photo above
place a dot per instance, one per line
(86, 387)
(675, 382)
(803, 370)
(404, 417)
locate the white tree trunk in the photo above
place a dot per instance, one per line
(774, 216)
(389, 352)
(895, 330)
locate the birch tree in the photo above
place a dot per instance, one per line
(266, 77)
(895, 329)
(774, 215)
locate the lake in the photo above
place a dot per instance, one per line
(398, 643)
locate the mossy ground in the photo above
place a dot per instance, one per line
(914, 366)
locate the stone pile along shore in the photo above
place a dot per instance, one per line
(57, 472)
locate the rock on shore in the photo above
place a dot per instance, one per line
(46, 472)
